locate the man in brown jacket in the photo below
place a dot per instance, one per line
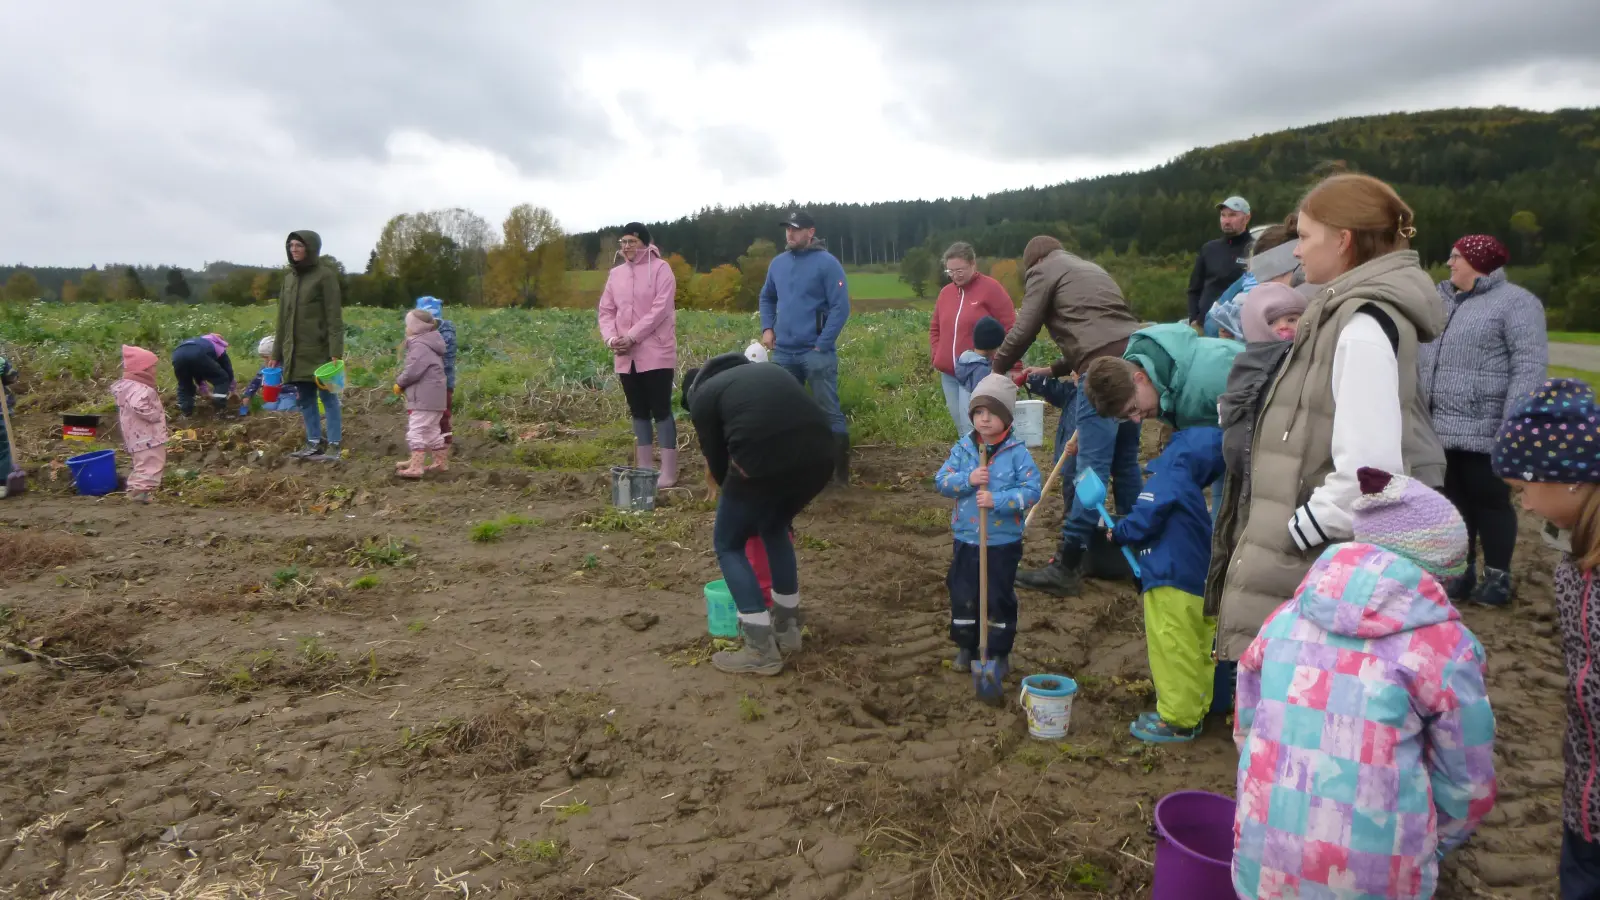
(1082, 308)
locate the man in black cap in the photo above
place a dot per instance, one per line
(804, 306)
(766, 444)
(1221, 261)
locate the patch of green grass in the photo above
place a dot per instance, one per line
(565, 455)
(879, 286)
(750, 710)
(806, 541)
(285, 577)
(1036, 756)
(313, 653)
(416, 626)
(240, 680)
(486, 532)
(388, 552)
(656, 525)
(575, 808)
(590, 562)
(1593, 378)
(1088, 875)
(365, 583)
(492, 530)
(1588, 338)
(527, 852)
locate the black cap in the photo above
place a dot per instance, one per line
(799, 219)
(638, 230)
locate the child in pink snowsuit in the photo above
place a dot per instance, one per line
(425, 388)
(144, 422)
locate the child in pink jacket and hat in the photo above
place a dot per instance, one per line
(422, 382)
(144, 422)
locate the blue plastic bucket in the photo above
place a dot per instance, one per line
(1048, 702)
(722, 614)
(94, 474)
(272, 376)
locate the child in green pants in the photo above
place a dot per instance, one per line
(1170, 527)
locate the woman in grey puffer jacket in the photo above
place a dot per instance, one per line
(1490, 357)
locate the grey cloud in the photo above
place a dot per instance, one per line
(1049, 80)
(739, 153)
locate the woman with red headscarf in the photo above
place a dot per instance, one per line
(1491, 355)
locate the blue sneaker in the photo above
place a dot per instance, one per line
(1155, 731)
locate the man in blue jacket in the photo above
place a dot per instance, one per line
(804, 306)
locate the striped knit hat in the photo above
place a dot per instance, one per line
(1407, 517)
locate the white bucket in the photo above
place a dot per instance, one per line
(1048, 700)
(1029, 422)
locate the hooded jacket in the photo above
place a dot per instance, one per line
(310, 318)
(1169, 525)
(1189, 372)
(139, 410)
(208, 347)
(423, 377)
(638, 302)
(804, 300)
(1013, 480)
(1490, 356)
(1305, 455)
(960, 308)
(757, 426)
(1365, 735)
(1079, 304)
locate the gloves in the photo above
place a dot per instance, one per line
(399, 391)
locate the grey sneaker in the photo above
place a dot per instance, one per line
(312, 448)
(331, 453)
(963, 660)
(786, 626)
(758, 656)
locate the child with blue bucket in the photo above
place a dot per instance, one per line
(1001, 490)
(1364, 730)
(288, 399)
(144, 421)
(1171, 529)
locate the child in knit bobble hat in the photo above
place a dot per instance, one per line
(1549, 447)
(1363, 724)
(143, 421)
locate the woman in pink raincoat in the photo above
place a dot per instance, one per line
(639, 324)
(144, 422)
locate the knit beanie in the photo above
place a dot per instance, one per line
(1264, 304)
(267, 347)
(997, 394)
(420, 321)
(638, 230)
(988, 334)
(1553, 435)
(1483, 252)
(433, 305)
(1407, 517)
(138, 364)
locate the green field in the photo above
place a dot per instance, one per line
(1575, 337)
(513, 366)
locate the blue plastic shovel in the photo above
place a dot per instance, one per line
(1091, 491)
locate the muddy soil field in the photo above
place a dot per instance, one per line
(301, 680)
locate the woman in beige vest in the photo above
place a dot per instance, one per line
(1346, 397)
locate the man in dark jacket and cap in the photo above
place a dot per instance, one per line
(310, 334)
(768, 444)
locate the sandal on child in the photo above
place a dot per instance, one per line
(1156, 731)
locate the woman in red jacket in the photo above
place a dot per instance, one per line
(968, 297)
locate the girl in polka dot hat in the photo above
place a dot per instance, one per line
(1550, 448)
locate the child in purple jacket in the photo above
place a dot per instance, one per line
(422, 382)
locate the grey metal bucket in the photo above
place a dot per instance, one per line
(633, 488)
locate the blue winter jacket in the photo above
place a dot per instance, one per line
(1057, 392)
(1013, 480)
(971, 366)
(447, 330)
(805, 301)
(1170, 524)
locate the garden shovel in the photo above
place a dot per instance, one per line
(1091, 491)
(17, 481)
(985, 671)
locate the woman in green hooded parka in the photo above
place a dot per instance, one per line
(311, 334)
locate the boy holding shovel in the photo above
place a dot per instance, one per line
(991, 474)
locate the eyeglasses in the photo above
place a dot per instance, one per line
(630, 242)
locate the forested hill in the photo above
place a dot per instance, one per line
(1462, 170)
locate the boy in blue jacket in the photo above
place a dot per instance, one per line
(447, 330)
(1171, 528)
(1002, 491)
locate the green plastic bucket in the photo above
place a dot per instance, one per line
(330, 377)
(722, 615)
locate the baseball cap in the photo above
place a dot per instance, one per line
(1237, 204)
(799, 219)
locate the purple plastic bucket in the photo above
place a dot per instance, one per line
(1194, 847)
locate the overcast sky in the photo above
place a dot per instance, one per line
(182, 131)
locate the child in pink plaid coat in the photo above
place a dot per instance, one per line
(144, 422)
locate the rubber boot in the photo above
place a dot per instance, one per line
(1061, 577)
(669, 468)
(787, 624)
(312, 448)
(1461, 587)
(441, 460)
(841, 459)
(413, 467)
(758, 656)
(330, 453)
(963, 660)
(644, 456)
(1493, 590)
